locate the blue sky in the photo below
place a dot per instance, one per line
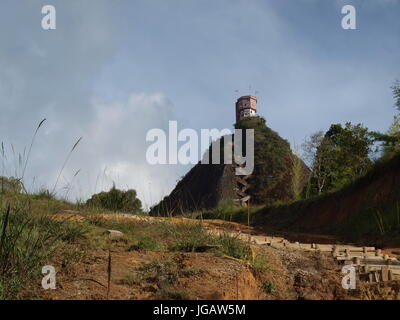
(114, 69)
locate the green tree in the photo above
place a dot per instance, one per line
(396, 94)
(116, 200)
(392, 145)
(390, 141)
(318, 152)
(341, 156)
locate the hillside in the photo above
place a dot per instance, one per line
(274, 178)
(108, 255)
(368, 210)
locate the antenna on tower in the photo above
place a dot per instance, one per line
(250, 91)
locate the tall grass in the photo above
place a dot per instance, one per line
(190, 236)
(27, 243)
(65, 163)
(30, 147)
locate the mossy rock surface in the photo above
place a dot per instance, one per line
(205, 186)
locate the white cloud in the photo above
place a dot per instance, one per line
(114, 146)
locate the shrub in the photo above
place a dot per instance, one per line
(116, 200)
(187, 236)
(12, 185)
(268, 287)
(233, 247)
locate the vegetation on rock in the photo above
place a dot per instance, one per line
(278, 172)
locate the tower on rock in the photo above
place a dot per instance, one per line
(246, 106)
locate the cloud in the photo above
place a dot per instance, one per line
(112, 150)
(51, 74)
(114, 146)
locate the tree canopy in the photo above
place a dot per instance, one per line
(116, 200)
(396, 94)
(340, 156)
(390, 141)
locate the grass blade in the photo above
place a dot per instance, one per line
(30, 147)
(65, 163)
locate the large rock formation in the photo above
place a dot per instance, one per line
(278, 176)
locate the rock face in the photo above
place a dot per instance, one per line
(204, 186)
(273, 179)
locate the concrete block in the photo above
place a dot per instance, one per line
(385, 273)
(114, 233)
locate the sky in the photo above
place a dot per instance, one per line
(112, 70)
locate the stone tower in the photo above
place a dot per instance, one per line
(246, 106)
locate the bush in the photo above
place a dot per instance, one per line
(187, 237)
(268, 287)
(116, 200)
(11, 185)
(233, 247)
